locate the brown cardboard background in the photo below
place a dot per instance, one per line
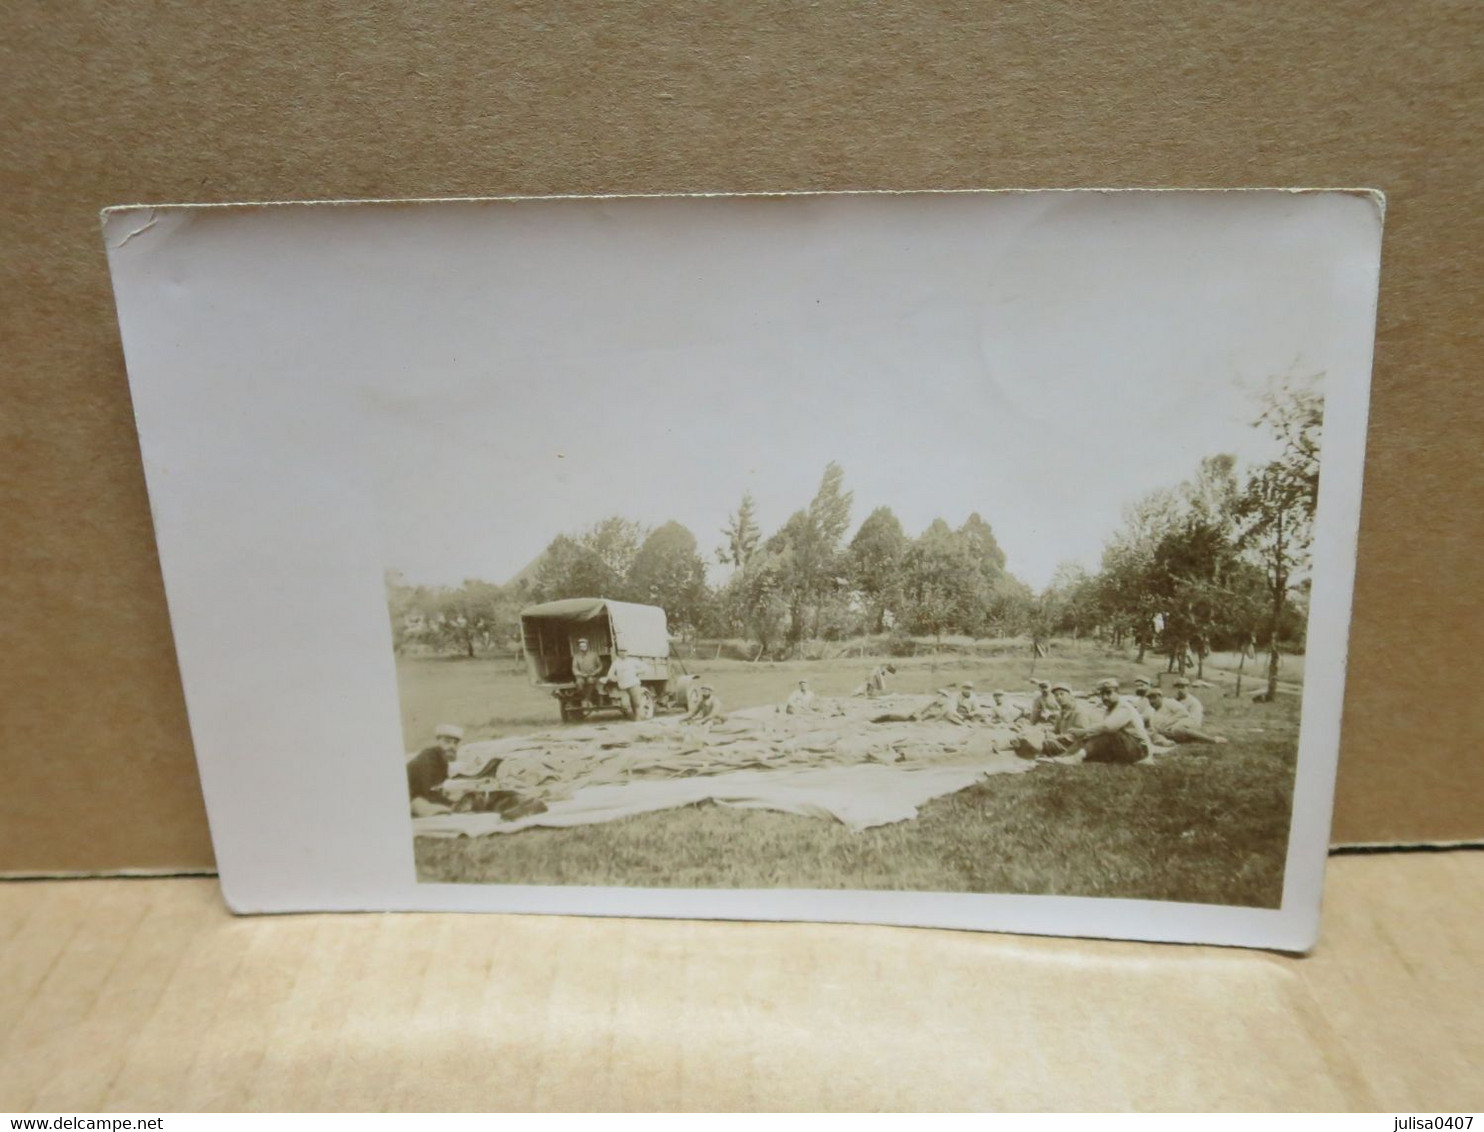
(128, 102)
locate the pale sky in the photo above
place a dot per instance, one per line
(525, 369)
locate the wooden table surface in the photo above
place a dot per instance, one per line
(146, 995)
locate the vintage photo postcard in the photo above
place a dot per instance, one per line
(973, 559)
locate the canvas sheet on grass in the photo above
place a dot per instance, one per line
(859, 797)
(902, 488)
(848, 761)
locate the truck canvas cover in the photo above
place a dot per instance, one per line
(640, 630)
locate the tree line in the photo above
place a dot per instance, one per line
(1218, 562)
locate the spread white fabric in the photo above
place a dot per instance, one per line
(834, 763)
(860, 796)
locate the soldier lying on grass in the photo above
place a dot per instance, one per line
(1169, 721)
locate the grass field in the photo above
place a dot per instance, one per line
(1208, 824)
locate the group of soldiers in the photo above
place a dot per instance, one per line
(589, 675)
(1113, 728)
(1059, 724)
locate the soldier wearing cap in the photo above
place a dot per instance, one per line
(707, 708)
(1055, 736)
(1189, 725)
(1000, 711)
(966, 707)
(1162, 715)
(1140, 699)
(1193, 707)
(427, 771)
(1115, 736)
(587, 666)
(800, 700)
(1044, 708)
(623, 674)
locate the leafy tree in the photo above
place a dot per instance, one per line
(755, 599)
(1129, 605)
(466, 619)
(1068, 604)
(472, 617)
(1010, 608)
(565, 570)
(596, 563)
(742, 534)
(614, 542)
(1275, 509)
(668, 572)
(983, 547)
(829, 510)
(1212, 495)
(877, 554)
(942, 583)
(999, 603)
(1189, 576)
(808, 552)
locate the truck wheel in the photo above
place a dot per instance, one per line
(646, 705)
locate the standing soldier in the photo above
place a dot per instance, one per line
(624, 675)
(875, 684)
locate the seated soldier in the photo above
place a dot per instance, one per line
(1193, 707)
(1141, 693)
(1189, 727)
(1044, 708)
(1140, 701)
(587, 667)
(1160, 715)
(1000, 711)
(707, 709)
(966, 707)
(800, 700)
(427, 771)
(1055, 737)
(1116, 735)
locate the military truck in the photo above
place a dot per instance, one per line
(549, 634)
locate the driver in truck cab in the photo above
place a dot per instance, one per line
(625, 676)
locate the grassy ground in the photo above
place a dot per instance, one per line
(1208, 824)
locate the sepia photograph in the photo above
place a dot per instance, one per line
(973, 559)
(964, 551)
